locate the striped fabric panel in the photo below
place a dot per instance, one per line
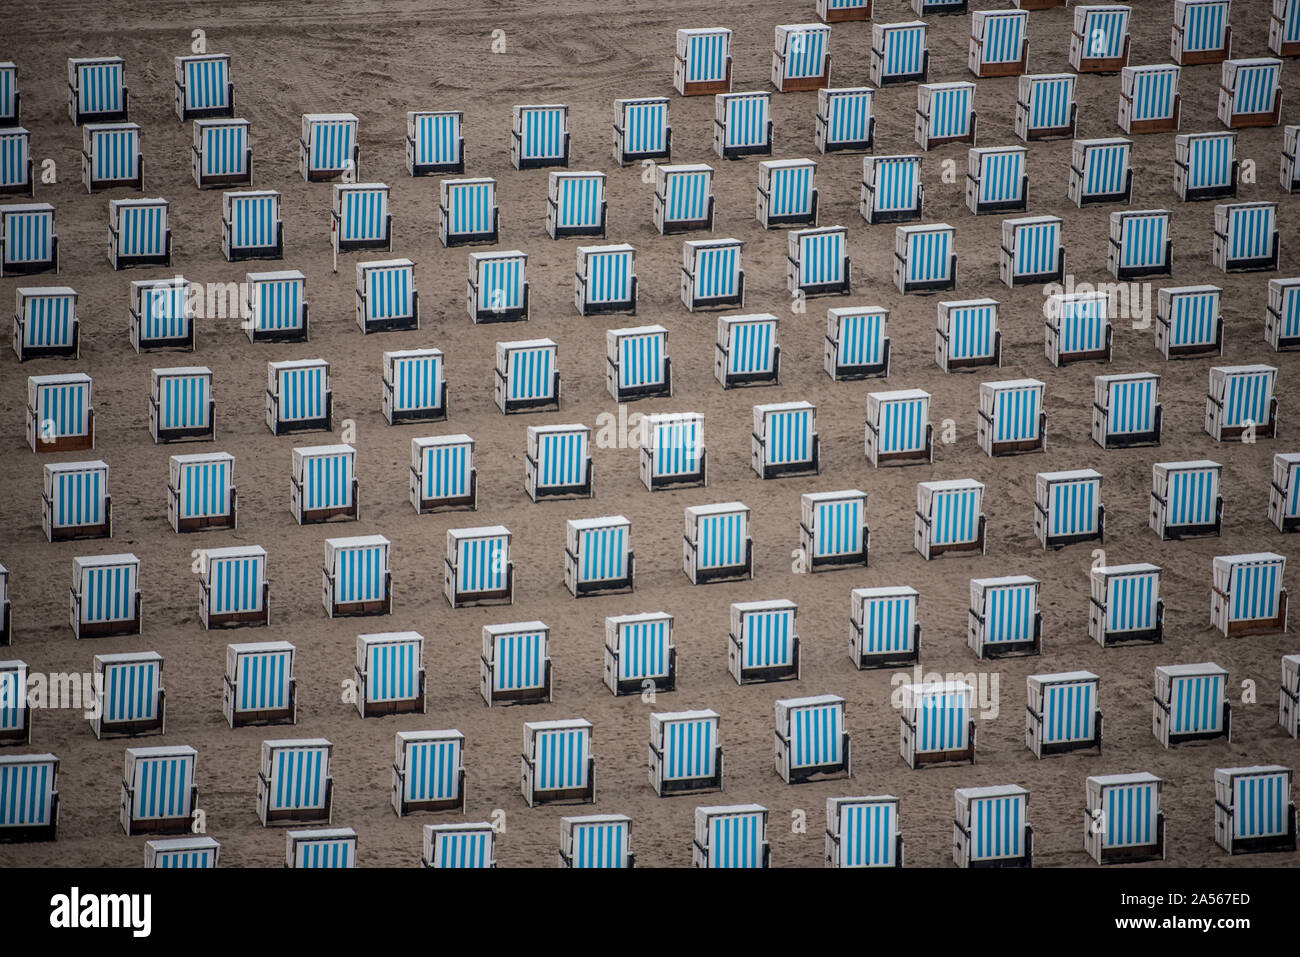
(8, 93)
(716, 271)
(1131, 407)
(1248, 398)
(561, 756)
(80, 497)
(1074, 507)
(580, 201)
(162, 787)
(437, 138)
(1002, 176)
(752, 347)
(1192, 496)
(14, 157)
(1015, 413)
(224, 150)
(183, 402)
(1009, 613)
(849, 117)
(838, 528)
(1196, 704)
(235, 584)
(950, 111)
(482, 564)
(1131, 602)
(1256, 591)
(706, 57)
(1037, 247)
(929, 256)
(114, 154)
(446, 471)
(364, 214)
(1143, 239)
(278, 304)
(791, 191)
(207, 83)
(789, 437)
(1204, 26)
(501, 282)
(1050, 102)
(645, 127)
(432, 770)
(389, 292)
(736, 840)
(997, 827)
(1105, 169)
(339, 852)
(28, 236)
(302, 393)
(1105, 32)
(746, 120)
(602, 554)
(530, 373)
(1209, 160)
(1261, 805)
(942, 721)
(643, 650)
(955, 516)
(464, 849)
(361, 574)
(821, 258)
(262, 680)
(470, 207)
(1195, 319)
(298, 777)
(100, 88)
(1250, 231)
(897, 183)
(393, 670)
(690, 749)
(971, 332)
(562, 459)
(904, 51)
(805, 53)
(677, 447)
(327, 480)
(767, 638)
(602, 844)
(254, 221)
(131, 691)
(1154, 91)
(609, 276)
(816, 736)
(542, 132)
(205, 489)
(1069, 712)
(867, 835)
(1003, 37)
(861, 339)
(330, 145)
(108, 594)
(417, 382)
(688, 195)
(888, 624)
(26, 794)
(519, 661)
(48, 320)
(722, 541)
(142, 229)
(1129, 815)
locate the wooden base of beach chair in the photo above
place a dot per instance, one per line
(134, 729)
(805, 84)
(267, 716)
(626, 157)
(1152, 636)
(848, 15)
(685, 785)
(496, 696)
(665, 683)
(1052, 132)
(1006, 206)
(33, 267)
(932, 141)
(1022, 447)
(347, 513)
(753, 676)
(1012, 68)
(739, 152)
(237, 254)
(586, 490)
(110, 629)
(371, 709)
(975, 364)
(697, 479)
(976, 547)
(793, 469)
(301, 334)
(1102, 64)
(735, 380)
(185, 343)
(92, 184)
(71, 351)
(1167, 124)
(875, 217)
(219, 180)
(1192, 737)
(1180, 532)
(812, 290)
(1027, 860)
(626, 306)
(707, 87)
(288, 816)
(1260, 626)
(1016, 649)
(485, 238)
(845, 146)
(964, 756)
(1069, 747)
(655, 390)
(1093, 355)
(121, 261)
(1262, 264)
(826, 563)
(1063, 541)
(871, 661)
(576, 795)
(25, 187)
(394, 323)
(848, 372)
(453, 502)
(32, 834)
(435, 169)
(240, 619)
(1034, 279)
(366, 609)
(167, 825)
(1260, 845)
(822, 772)
(773, 221)
(1194, 194)
(1202, 57)
(542, 404)
(501, 596)
(898, 79)
(727, 573)
(1038, 4)
(672, 227)
(1266, 430)
(608, 586)
(932, 285)
(205, 433)
(205, 523)
(568, 232)
(1130, 440)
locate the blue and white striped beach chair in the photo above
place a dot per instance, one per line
(817, 262)
(787, 193)
(356, 578)
(459, 845)
(276, 307)
(1123, 822)
(478, 569)
(945, 113)
(443, 473)
(105, 595)
(742, 124)
(1253, 811)
(685, 752)
(390, 674)
(323, 483)
(1205, 165)
(899, 53)
(1284, 28)
(716, 544)
(732, 835)
(746, 351)
(642, 131)
(1062, 713)
(857, 344)
(672, 450)
(845, 119)
(1189, 321)
(884, 626)
(428, 771)
(220, 154)
(328, 147)
(937, 725)
(1282, 318)
(28, 242)
(991, 827)
(702, 65)
(201, 492)
(1077, 328)
(1125, 604)
(163, 314)
(785, 440)
(16, 161)
(497, 288)
(892, 191)
(97, 91)
(1068, 508)
(996, 179)
(387, 299)
(1032, 251)
(967, 335)
(812, 738)
(763, 643)
(801, 58)
(1141, 244)
(15, 715)
(129, 697)
(321, 847)
(294, 782)
(1045, 106)
(575, 204)
(203, 87)
(1185, 498)
(29, 798)
(527, 376)
(863, 832)
(557, 462)
(60, 412)
(596, 840)
(414, 386)
(604, 280)
(468, 212)
(10, 97)
(181, 404)
(1284, 492)
(515, 664)
(75, 502)
(1004, 618)
(1100, 172)
(298, 396)
(175, 852)
(1011, 417)
(639, 653)
(360, 218)
(539, 136)
(1099, 41)
(1246, 237)
(557, 763)
(712, 277)
(925, 258)
(949, 517)
(1247, 597)
(139, 233)
(898, 428)
(233, 588)
(251, 227)
(999, 43)
(435, 142)
(1290, 171)
(1190, 704)
(1240, 403)
(1202, 33)
(111, 156)
(158, 790)
(1149, 101)
(637, 365)
(683, 198)
(844, 11)
(598, 555)
(259, 686)
(1126, 410)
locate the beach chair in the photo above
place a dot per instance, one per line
(844, 11)
(15, 715)
(1290, 171)
(784, 440)
(1283, 28)
(732, 836)
(702, 65)
(233, 589)
(742, 124)
(763, 643)
(1100, 172)
(1011, 419)
(1077, 328)
(598, 555)
(176, 852)
(639, 653)
(181, 404)
(162, 314)
(97, 91)
(996, 180)
(328, 147)
(203, 87)
(1032, 251)
(967, 335)
(1189, 321)
(787, 194)
(716, 545)
(557, 762)
(468, 212)
(515, 664)
(557, 462)
(526, 376)
(672, 450)
(817, 262)
(801, 58)
(1185, 499)
(276, 307)
(129, 698)
(60, 412)
(539, 136)
(1289, 698)
(991, 827)
(884, 626)
(683, 198)
(294, 784)
(1205, 165)
(359, 218)
(251, 227)
(105, 595)
(159, 795)
(685, 753)
(898, 428)
(428, 771)
(856, 346)
(1241, 403)
(812, 739)
(999, 43)
(387, 299)
(1125, 604)
(356, 579)
(1122, 820)
(637, 365)
(1141, 244)
(1068, 508)
(414, 387)
(596, 840)
(478, 569)
(321, 847)
(1246, 237)
(712, 277)
(892, 190)
(10, 97)
(899, 53)
(28, 242)
(1126, 410)
(1190, 704)
(46, 323)
(845, 119)
(298, 396)
(1099, 40)
(443, 473)
(138, 233)
(111, 156)
(1247, 597)
(75, 502)
(29, 798)
(1284, 492)
(604, 280)
(1201, 33)
(435, 142)
(937, 724)
(945, 113)
(1062, 714)
(1149, 101)
(1282, 315)
(390, 675)
(576, 205)
(220, 154)
(642, 131)
(746, 352)
(1045, 106)
(863, 832)
(323, 484)
(459, 845)
(497, 289)
(925, 258)
(1253, 811)
(949, 517)
(1004, 619)
(833, 530)
(259, 685)
(201, 492)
